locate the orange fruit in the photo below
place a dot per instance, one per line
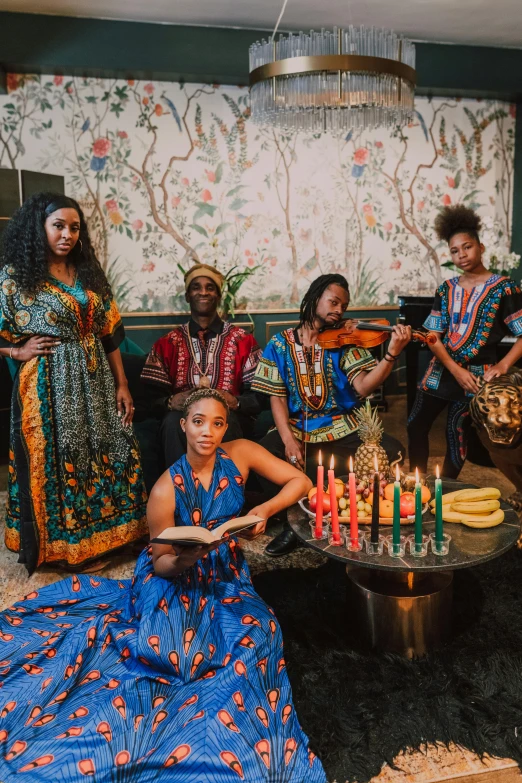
(425, 494)
(389, 490)
(312, 492)
(386, 508)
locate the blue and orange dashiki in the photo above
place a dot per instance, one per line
(317, 383)
(76, 486)
(153, 679)
(472, 324)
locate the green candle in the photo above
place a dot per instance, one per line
(396, 509)
(439, 527)
(418, 509)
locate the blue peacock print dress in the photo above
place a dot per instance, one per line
(153, 679)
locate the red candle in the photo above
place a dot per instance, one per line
(354, 525)
(336, 533)
(319, 498)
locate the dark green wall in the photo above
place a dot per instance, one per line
(34, 43)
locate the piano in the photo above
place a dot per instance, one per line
(413, 310)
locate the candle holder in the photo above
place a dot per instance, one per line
(331, 541)
(440, 547)
(396, 550)
(324, 532)
(418, 550)
(374, 548)
(357, 545)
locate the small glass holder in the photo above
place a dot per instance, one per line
(331, 541)
(396, 550)
(418, 550)
(440, 547)
(324, 532)
(357, 545)
(374, 548)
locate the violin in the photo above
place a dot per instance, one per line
(366, 334)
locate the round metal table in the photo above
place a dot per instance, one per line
(403, 604)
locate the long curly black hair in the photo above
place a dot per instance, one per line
(457, 220)
(315, 292)
(25, 247)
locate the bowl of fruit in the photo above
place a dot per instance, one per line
(370, 456)
(365, 500)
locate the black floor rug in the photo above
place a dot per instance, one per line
(361, 709)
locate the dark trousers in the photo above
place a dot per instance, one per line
(174, 441)
(425, 410)
(342, 450)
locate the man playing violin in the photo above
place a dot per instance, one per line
(314, 390)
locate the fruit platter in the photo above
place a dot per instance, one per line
(370, 458)
(364, 499)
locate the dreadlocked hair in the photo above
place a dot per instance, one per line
(314, 293)
(457, 220)
(25, 246)
(204, 394)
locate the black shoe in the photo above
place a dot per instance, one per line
(282, 544)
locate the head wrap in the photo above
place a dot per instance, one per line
(204, 270)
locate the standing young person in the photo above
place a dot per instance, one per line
(472, 313)
(75, 480)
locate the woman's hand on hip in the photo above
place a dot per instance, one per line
(34, 347)
(124, 404)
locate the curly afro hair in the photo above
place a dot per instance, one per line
(25, 247)
(204, 394)
(457, 220)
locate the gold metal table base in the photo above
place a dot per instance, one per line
(408, 613)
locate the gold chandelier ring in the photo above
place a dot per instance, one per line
(295, 66)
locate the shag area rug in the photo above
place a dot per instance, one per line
(361, 709)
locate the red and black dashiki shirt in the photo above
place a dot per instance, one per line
(472, 323)
(226, 354)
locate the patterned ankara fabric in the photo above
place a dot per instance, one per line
(473, 323)
(229, 359)
(75, 481)
(153, 679)
(318, 379)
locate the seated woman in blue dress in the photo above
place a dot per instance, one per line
(182, 666)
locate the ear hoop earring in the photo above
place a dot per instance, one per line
(81, 245)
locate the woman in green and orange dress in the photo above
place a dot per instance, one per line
(75, 482)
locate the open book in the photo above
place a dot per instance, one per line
(189, 535)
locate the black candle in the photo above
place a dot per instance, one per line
(374, 535)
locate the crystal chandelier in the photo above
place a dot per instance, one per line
(333, 81)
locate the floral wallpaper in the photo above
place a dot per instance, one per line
(168, 173)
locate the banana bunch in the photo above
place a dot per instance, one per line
(479, 508)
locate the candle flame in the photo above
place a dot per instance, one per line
(417, 481)
(332, 462)
(437, 471)
(397, 473)
(320, 458)
(351, 464)
(375, 463)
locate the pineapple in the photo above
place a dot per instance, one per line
(370, 432)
